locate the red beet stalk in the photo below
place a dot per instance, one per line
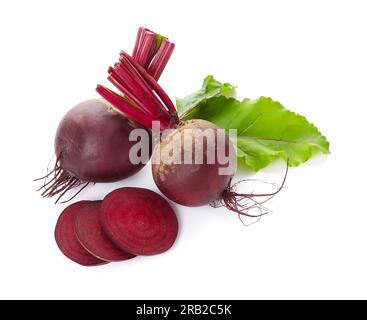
(152, 51)
(136, 77)
(160, 59)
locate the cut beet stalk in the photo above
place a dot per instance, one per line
(147, 48)
(152, 83)
(90, 234)
(139, 221)
(152, 51)
(123, 106)
(144, 100)
(137, 41)
(128, 80)
(140, 87)
(160, 59)
(66, 239)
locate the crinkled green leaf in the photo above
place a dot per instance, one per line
(210, 88)
(265, 130)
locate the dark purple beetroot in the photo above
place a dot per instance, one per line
(92, 143)
(139, 221)
(89, 232)
(66, 239)
(192, 184)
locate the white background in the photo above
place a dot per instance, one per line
(309, 55)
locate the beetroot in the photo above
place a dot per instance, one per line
(92, 141)
(66, 239)
(192, 184)
(182, 178)
(189, 183)
(139, 221)
(89, 232)
(92, 145)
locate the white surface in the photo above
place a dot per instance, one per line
(309, 55)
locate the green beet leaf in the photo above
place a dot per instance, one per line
(265, 129)
(210, 88)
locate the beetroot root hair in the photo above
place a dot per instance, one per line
(244, 203)
(58, 182)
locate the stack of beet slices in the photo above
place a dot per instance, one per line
(127, 223)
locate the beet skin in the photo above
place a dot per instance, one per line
(92, 143)
(192, 184)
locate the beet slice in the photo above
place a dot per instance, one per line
(66, 238)
(88, 229)
(139, 221)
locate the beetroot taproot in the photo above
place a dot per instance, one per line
(91, 236)
(66, 238)
(139, 221)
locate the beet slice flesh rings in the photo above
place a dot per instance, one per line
(90, 234)
(66, 238)
(139, 221)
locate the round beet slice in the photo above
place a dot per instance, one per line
(66, 239)
(139, 221)
(88, 229)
